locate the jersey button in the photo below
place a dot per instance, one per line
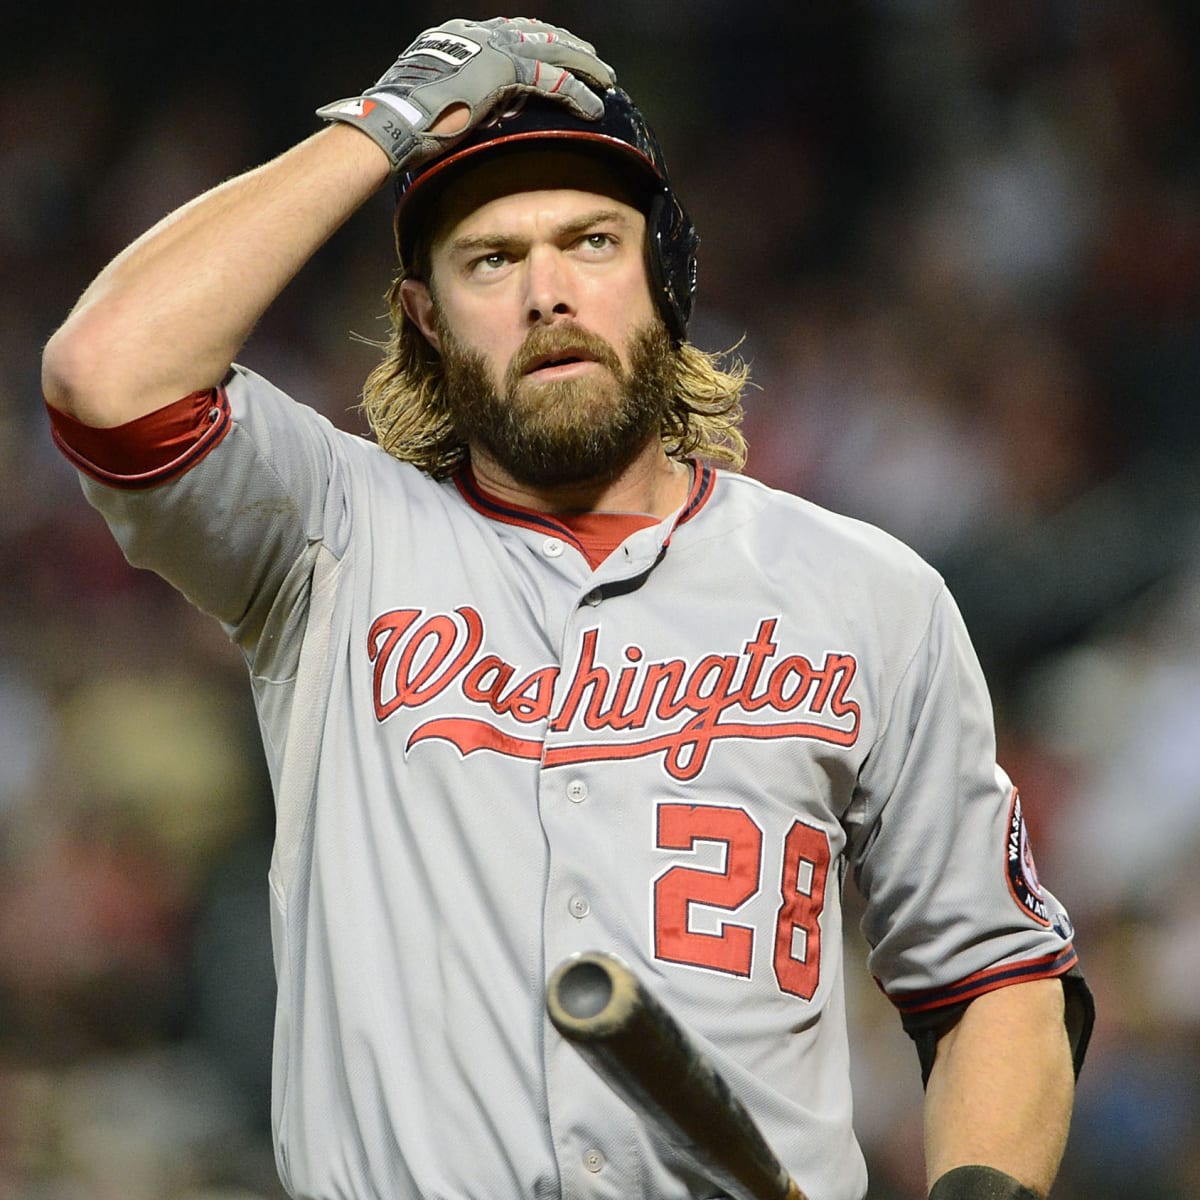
(552, 547)
(593, 1160)
(577, 791)
(593, 597)
(579, 907)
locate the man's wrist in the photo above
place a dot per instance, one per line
(980, 1183)
(363, 149)
(377, 121)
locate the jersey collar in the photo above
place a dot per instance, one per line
(495, 509)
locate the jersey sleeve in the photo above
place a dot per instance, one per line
(954, 906)
(224, 494)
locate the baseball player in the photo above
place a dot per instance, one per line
(538, 672)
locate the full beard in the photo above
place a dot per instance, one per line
(563, 431)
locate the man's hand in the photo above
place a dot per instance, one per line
(472, 66)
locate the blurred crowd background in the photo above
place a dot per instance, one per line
(959, 243)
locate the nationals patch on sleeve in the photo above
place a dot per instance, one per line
(1022, 873)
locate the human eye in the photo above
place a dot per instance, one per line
(597, 244)
(490, 262)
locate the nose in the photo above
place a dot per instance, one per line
(550, 295)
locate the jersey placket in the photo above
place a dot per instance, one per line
(602, 1150)
(595, 1135)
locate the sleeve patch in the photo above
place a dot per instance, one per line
(1022, 873)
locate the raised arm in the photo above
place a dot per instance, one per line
(167, 316)
(999, 1097)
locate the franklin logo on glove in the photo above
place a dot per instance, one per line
(446, 46)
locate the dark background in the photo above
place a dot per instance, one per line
(961, 242)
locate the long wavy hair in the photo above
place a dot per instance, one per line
(404, 401)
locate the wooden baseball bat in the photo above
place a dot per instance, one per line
(642, 1052)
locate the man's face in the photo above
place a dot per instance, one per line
(558, 364)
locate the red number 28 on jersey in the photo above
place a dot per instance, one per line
(806, 857)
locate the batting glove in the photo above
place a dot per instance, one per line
(478, 64)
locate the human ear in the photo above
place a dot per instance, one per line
(418, 308)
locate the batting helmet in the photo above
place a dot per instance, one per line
(624, 137)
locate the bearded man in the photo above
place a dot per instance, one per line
(539, 672)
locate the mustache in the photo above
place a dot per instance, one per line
(544, 341)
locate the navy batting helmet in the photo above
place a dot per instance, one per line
(623, 135)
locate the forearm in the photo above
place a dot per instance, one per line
(1002, 1086)
(167, 316)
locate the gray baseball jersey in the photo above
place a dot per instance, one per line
(488, 755)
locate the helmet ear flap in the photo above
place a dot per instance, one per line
(671, 243)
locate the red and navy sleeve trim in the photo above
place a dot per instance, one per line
(149, 450)
(1049, 966)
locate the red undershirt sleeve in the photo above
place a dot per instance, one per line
(150, 449)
